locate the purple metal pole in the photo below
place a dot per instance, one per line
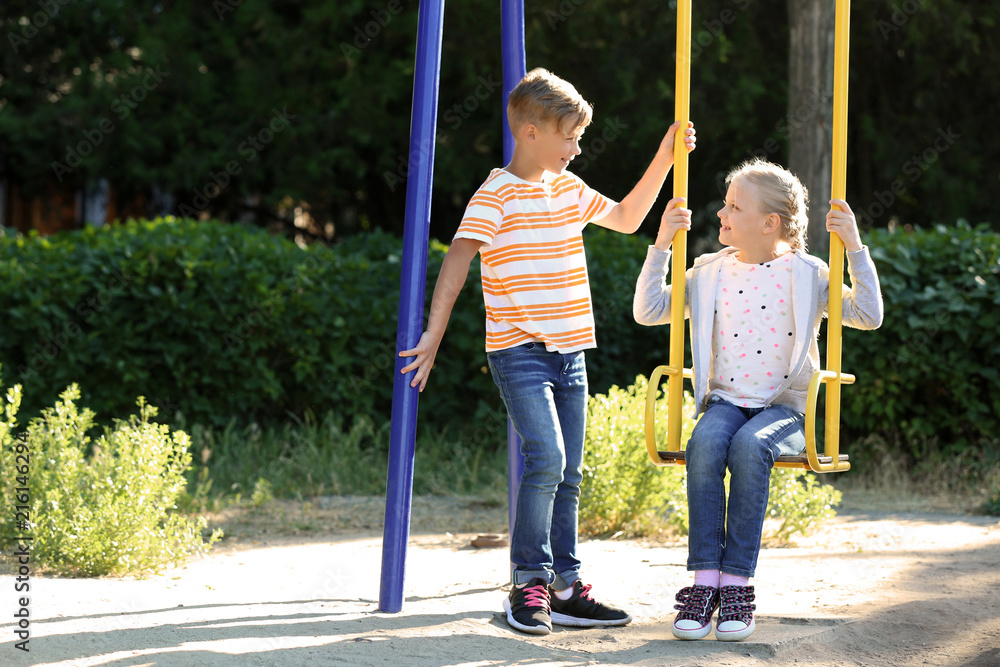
(402, 439)
(514, 69)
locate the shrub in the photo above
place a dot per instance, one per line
(216, 322)
(102, 511)
(798, 502)
(929, 379)
(213, 321)
(624, 493)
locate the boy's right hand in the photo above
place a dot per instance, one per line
(675, 217)
(425, 353)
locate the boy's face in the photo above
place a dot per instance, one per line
(556, 146)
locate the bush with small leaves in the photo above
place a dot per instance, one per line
(101, 506)
(622, 492)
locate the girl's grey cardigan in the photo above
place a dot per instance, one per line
(810, 299)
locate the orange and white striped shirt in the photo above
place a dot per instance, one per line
(534, 268)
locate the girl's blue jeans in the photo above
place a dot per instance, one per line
(726, 536)
(546, 398)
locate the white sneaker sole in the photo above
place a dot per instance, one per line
(693, 633)
(735, 635)
(530, 629)
(576, 622)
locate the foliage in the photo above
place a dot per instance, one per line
(344, 71)
(324, 457)
(992, 505)
(928, 379)
(799, 502)
(103, 506)
(624, 493)
(219, 322)
(186, 313)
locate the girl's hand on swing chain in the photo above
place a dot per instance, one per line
(675, 217)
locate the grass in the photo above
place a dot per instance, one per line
(310, 458)
(314, 458)
(881, 478)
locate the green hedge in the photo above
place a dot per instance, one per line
(212, 321)
(217, 322)
(929, 378)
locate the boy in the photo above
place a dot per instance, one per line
(526, 222)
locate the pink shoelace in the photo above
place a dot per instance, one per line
(585, 593)
(536, 596)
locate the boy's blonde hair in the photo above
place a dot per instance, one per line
(778, 191)
(541, 97)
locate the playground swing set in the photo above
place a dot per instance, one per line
(414, 273)
(833, 377)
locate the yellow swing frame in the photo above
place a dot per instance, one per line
(832, 460)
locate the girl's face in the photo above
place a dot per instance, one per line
(742, 222)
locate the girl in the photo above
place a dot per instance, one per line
(755, 310)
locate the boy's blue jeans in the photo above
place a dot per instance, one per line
(747, 441)
(546, 398)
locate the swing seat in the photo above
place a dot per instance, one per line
(808, 460)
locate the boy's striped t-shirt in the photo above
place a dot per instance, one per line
(534, 269)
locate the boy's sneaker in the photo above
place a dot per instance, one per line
(528, 607)
(583, 611)
(735, 614)
(696, 605)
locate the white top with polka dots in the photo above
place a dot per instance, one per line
(754, 330)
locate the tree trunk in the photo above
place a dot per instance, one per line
(810, 107)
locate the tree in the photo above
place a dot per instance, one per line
(810, 107)
(920, 107)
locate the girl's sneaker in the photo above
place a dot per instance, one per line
(735, 614)
(528, 607)
(696, 605)
(583, 611)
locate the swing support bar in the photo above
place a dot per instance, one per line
(833, 377)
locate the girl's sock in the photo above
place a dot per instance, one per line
(706, 578)
(727, 579)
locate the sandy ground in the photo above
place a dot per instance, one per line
(899, 589)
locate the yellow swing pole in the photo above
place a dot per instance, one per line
(833, 377)
(682, 113)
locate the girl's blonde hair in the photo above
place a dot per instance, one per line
(778, 191)
(541, 97)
